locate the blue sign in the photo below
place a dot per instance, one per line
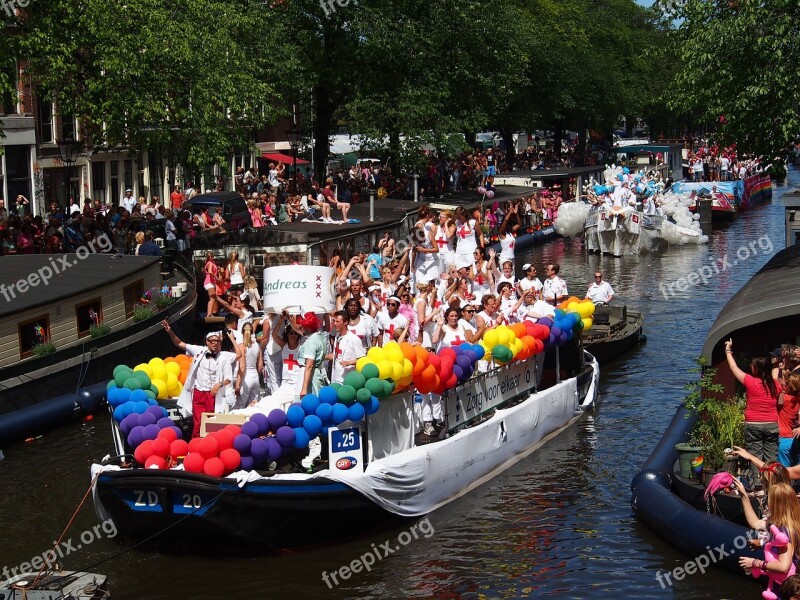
(345, 440)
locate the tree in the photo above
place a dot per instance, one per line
(739, 69)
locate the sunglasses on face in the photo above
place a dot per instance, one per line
(392, 304)
(468, 311)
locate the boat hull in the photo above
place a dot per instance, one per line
(294, 511)
(624, 234)
(607, 343)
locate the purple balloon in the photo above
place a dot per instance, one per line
(165, 422)
(259, 449)
(275, 419)
(136, 436)
(178, 431)
(247, 463)
(546, 321)
(128, 423)
(156, 411)
(463, 361)
(260, 420)
(471, 355)
(490, 194)
(555, 331)
(274, 449)
(146, 419)
(250, 429)
(151, 431)
(242, 443)
(285, 436)
(458, 372)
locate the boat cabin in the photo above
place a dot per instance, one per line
(646, 156)
(569, 181)
(56, 299)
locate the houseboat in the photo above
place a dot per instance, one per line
(67, 319)
(615, 331)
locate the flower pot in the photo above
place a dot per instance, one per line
(686, 453)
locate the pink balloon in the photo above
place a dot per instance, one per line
(481, 190)
(490, 194)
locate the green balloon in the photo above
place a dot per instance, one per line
(388, 388)
(336, 386)
(122, 369)
(363, 395)
(346, 394)
(355, 379)
(370, 371)
(154, 389)
(143, 378)
(150, 394)
(375, 386)
(133, 383)
(113, 384)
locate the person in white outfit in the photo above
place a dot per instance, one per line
(600, 292)
(250, 390)
(445, 240)
(347, 349)
(288, 341)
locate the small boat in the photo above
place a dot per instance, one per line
(493, 420)
(723, 209)
(615, 331)
(56, 585)
(758, 317)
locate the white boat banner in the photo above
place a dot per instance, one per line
(480, 394)
(299, 289)
(634, 224)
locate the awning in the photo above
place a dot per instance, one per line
(284, 158)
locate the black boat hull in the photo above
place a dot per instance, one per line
(170, 508)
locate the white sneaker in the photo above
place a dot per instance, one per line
(428, 429)
(314, 450)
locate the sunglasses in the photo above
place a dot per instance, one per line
(392, 304)
(466, 310)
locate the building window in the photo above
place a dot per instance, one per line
(8, 100)
(88, 314)
(46, 121)
(156, 176)
(132, 294)
(18, 173)
(68, 127)
(128, 174)
(32, 333)
(99, 181)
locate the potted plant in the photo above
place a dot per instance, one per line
(43, 349)
(98, 330)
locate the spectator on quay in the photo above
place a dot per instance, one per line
(73, 206)
(331, 198)
(139, 241)
(127, 201)
(149, 247)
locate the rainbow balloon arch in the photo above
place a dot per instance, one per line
(157, 442)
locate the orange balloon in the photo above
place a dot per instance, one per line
(422, 353)
(409, 352)
(170, 359)
(419, 366)
(519, 329)
(571, 299)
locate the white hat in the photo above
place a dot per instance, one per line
(372, 288)
(393, 298)
(128, 190)
(526, 266)
(211, 334)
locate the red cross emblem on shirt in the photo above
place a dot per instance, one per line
(457, 341)
(511, 246)
(390, 331)
(290, 362)
(441, 241)
(463, 232)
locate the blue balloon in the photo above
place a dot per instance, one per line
(310, 402)
(479, 352)
(140, 407)
(312, 424)
(373, 406)
(119, 413)
(137, 396)
(301, 437)
(328, 395)
(295, 415)
(324, 411)
(356, 411)
(340, 413)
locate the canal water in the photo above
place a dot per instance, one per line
(556, 524)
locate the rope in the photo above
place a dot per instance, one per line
(61, 537)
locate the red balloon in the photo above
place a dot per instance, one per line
(194, 463)
(160, 447)
(448, 351)
(234, 429)
(225, 439)
(194, 444)
(451, 381)
(231, 459)
(447, 365)
(155, 462)
(178, 449)
(143, 451)
(214, 467)
(209, 447)
(434, 360)
(168, 434)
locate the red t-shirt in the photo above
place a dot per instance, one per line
(761, 407)
(787, 416)
(329, 195)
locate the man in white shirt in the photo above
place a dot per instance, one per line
(530, 281)
(554, 289)
(391, 323)
(128, 201)
(600, 291)
(724, 165)
(347, 348)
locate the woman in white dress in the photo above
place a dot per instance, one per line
(467, 236)
(449, 332)
(426, 261)
(288, 340)
(445, 240)
(251, 386)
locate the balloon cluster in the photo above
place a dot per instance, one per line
(387, 369)
(448, 367)
(506, 343)
(578, 312)
(571, 218)
(486, 191)
(157, 379)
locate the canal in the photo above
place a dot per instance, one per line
(556, 524)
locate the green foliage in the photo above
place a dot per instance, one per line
(164, 301)
(96, 331)
(720, 422)
(141, 313)
(739, 69)
(43, 349)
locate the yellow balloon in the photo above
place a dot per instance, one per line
(408, 368)
(587, 323)
(376, 354)
(159, 372)
(591, 309)
(361, 362)
(511, 335)
(516, 346)
(394, 352)
(156, 361)
(573, 306)
(490, 339)
(502, 335)
(397, 371)
(385, 369)
(161, 386)
(173, 368)
(172, 381)
(583, 310)
(145, 368)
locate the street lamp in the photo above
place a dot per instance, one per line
(295, 136)
(69, 150)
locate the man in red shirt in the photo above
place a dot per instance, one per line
(331, 198)
(176, 197)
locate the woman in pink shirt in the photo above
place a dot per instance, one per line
(761, 412)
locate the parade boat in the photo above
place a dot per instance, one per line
(739, 195)
(68, 319)
(722, 194)
(759, 317)
(56, 585)
(615, 331)
(624, 233)
(377, 473)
